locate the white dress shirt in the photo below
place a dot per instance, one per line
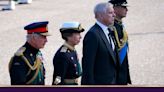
(106, 32)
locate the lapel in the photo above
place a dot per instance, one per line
(103, 36)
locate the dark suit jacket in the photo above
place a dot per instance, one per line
(98, 62)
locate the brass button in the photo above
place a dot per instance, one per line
(75, 65)
(31, 54)
(72, 58)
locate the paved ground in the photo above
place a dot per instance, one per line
(144, 24)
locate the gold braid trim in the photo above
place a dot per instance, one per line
(28, 73)
(37, 71)
(121, 43)
(20, 53)
(36, 65)
(30, 66)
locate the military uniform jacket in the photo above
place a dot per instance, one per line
(124, 75)
(26, 67)
(66, 65)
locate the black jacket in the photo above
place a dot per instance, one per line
(99, 61)
(19, 67)
(66, 65)
(124, 74)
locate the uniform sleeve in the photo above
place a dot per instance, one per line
(18, 72)
(90, 45)
(129, 78)
(60, 67)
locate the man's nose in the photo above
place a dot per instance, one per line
(46, 39)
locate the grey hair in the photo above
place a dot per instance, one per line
(29, 36)
(101, 8)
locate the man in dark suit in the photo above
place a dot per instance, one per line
(120, 8)
(26, 66)
(99, 62)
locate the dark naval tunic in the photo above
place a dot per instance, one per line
(66, 66)
(124, 75)
(26, 67)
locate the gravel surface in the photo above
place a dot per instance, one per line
(144, 24)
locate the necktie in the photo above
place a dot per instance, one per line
(111, 33)
(111, 40)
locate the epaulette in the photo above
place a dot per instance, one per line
(63, 49)
(20, 51)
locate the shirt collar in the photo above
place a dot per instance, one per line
(69, 46)
(104, 27)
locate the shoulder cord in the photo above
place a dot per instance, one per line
(123, 40)
(36, 67)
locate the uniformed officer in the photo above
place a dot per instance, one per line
(120, 8)
(26, 66)
(67, 69)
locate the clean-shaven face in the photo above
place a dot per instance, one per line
(40, 41)
(120, 11)
(108, 16)
(75, 38)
